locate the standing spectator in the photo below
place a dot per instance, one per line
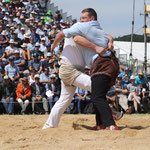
(8, 90)
(38, 96)
(11, 70)
(23, 93)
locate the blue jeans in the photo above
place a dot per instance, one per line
(78, 99)
(9, 106)
(52, 100)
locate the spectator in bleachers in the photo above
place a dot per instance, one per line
(10, 49)
(31, 77)
(55, 90)
(57, 16)
(37, 50)
(30, 6)
(52, 67)
(23, 93)
(11, 70)
(34, 35)
(1, 74)
(30, 48)
(24, 53)
(45, 76)
(35, 64)
(7, 92)
(45, 63)
(38, 96)
(21, 34)
(43, 47)
(39, 30)
(19, 61)
(17, 41)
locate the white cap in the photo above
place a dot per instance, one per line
(132, 77)
(22, 29)
(24, 45)
(43, 39)
(16, 51)
(37, 76)
(37, 44)
(11, 41)
(52, 76)
(6, 77)
(49, 54)
(26, 35)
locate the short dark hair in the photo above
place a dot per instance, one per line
(91, 12)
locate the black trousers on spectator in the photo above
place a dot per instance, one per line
(100, 87)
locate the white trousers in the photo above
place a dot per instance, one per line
(23, 104)
(67, 92)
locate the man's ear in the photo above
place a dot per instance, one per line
(92, 18)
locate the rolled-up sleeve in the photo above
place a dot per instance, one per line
(74, 30)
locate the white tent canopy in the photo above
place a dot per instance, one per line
(138, 49)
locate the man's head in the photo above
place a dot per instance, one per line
(37, 78)
(88, 14)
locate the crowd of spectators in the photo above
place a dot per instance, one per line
(131, 93)
(29, 69)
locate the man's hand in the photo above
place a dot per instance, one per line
(100, 50)
(110, 46)
(8, 99)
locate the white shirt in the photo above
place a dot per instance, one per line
(72, 53)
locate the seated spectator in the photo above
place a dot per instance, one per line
(10, 49)
(24, 52)
(125, 76)
(7, 91)
(122, 93)
(31, 77)
(81, 95)
(45, 63)
(52, 67)
(35, 64)
(38, 96)
(30, 48)
(54, 89)
(34, 35)
(19, 61)
(37, 50)
(17, 41)
(11, 70)
(23, 93)
(140, 79)
(43, 47)
(45, 76)
(21, 34)
(134, 92)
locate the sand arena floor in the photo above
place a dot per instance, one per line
(24, 133)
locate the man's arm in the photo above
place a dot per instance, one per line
(87, 44)
(59, 37)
